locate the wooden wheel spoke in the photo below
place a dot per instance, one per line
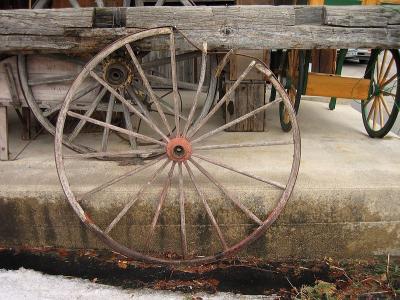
(389, 94)
(122, 154)
(380, 113)
(129, 105)
(169, 83)
(106, 130)
(167, 60)
(376, 102)
(372, 109)
(207, 207)
(137, 197)
(186, 2)
(382, 66)
(201, 82)
(160, 3)
(50, 80)
(145, 111)
(384, 104)
(116, 128)
(383, 78)
(148, 87)
(225, 166)
(220, 67)
(88, 113)
(389, 80)
(128, 125)
(239, 205)
(74, 3)
(41, 3)
(201, 122)
(139, 103)
(242, 145)
(182, 212)
(79, 94)
(163, 196)
(177, 108)
(119, 178)
(377, 69)
(237, 120)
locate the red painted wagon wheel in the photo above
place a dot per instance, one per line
(176, 148)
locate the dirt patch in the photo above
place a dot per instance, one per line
(377, 278)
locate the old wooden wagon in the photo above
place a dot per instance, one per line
(114, 79)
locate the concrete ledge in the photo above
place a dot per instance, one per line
(345, 203)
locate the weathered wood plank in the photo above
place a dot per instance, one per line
(393, 14)
(44, 21)
(362, 16)
(254, 17)
(244, 27)
(355, 16)
(309, 15)
(247, 97)
(282, 37)
(3, 133)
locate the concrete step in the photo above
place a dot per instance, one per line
(345, 202)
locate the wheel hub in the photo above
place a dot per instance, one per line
(179, 149)
(118, 73)
(377, 90)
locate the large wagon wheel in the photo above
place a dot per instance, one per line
(179, 150)
(46, 113)
(380, 110)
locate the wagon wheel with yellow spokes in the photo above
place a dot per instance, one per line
(380, 110)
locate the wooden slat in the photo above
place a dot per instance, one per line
(355, 16)
(192, 18)
(247, 97)
(309, 15)
(239, 63)
(328, 85)
(3, 133)
(44, 21)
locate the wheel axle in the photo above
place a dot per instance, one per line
(179, 149)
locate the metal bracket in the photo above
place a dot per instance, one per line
(109, 17)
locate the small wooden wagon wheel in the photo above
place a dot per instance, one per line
(46, 112)
(380, 110)
(186, 154)
(293, 77)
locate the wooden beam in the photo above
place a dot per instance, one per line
(44, 21)
(357, 16)
(241, 27)
(328, 85)
(3, 133)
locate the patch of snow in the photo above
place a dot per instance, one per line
(28, 284)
